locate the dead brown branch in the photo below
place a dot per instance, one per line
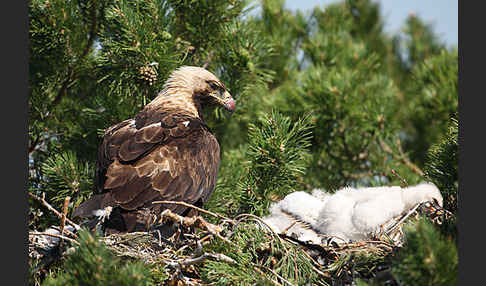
(33, 233)
(200, 259)
(58, 214)
(33, 146)
(196, 221)
(401, 156)
(65, 231)
(193, 207)
(63, 218)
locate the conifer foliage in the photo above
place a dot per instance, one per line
(277, 153)
(93, 264)
(426, 260)
(325, 98)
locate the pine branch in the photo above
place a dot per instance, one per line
(64, 213)
(33, 146)
(71, 75)
(401, 156)
(93, 29)
(62, 91)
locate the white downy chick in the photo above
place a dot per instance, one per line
(350, 213)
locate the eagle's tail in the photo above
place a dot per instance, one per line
(112, 219)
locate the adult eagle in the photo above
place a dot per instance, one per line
(166, 152)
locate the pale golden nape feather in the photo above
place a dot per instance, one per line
(181, 88)
(187, 79)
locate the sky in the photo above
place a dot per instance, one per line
(442, 14)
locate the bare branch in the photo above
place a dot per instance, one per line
(194, 207)
(33, 146)
(196, 221)
(197, 260)
(400, 157)
(64, 213)
(54, 235)
(58, 214)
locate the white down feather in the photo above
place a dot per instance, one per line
(352, 214)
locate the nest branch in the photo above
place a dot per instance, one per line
(34, 233)
(195, 221)
(200, 259)
(57, 213)
(331, 262)
(193, 207)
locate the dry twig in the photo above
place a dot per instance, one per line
(66, 231)
(58, 214)
(33, 233)
(196, 221)
(194, 207)
(263, 274)
(63, 218)
(401, 156)
(400, 222)
(201, 258)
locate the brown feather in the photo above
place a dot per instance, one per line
(131, 150)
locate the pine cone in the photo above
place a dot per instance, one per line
(148, 73)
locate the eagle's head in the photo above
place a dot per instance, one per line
(204, 87)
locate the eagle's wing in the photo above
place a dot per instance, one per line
(175, 158)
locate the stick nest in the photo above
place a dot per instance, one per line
(184, 251)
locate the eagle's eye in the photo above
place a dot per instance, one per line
(436, 201)
(213, 85)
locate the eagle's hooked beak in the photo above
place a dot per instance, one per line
(228, 101)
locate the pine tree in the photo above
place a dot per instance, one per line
(442, 165)
(427, 258)
(430, 254)
(324, 99)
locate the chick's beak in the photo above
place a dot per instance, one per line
(228, 101)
